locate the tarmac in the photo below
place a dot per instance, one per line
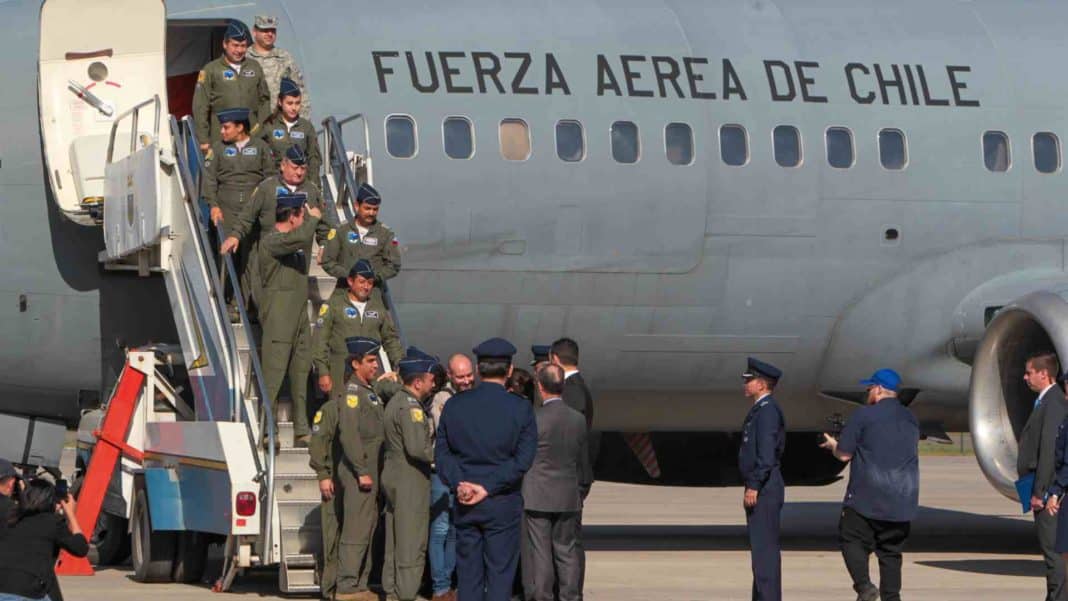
(649, 542)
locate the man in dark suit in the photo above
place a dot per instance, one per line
(1037, 457)
(551, 554)
(486, 441)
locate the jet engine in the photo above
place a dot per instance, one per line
(999, 401)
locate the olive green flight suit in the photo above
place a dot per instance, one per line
(283, 270)
(406, 484)
(229, 177)
(347, 246)
(340, 319)
(322, 459)
(280, 136)
(220, 86)
(257, 217)
(360, 433)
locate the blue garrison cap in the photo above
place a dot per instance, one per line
(360, 345)
(757, 368)
(415, 365)
(288, 87)
(232, 115)
(368, 194)
(291, 201)
(236, 30)
(887, 378)
(295, 154)
(494, 347)
(540, 352)
(415, 353)
(362, 268)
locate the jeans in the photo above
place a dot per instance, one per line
(442, 543)
(10, 597)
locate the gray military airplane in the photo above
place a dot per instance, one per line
(831, 186)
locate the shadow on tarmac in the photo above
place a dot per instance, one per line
(814, 527)
(993, 567)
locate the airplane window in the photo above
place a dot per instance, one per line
(787, 143)
(839, 147)
(459, 143)
(570, 142)
(400, 136)
(678, 142)
(515, 139)
(893, 153)
(626, 147)
(733, 146)
(996, 151)
(1047, 150)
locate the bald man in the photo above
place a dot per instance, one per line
(442, 542)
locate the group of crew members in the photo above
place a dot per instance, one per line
(472, 475)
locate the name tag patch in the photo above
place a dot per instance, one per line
(248, 73)
(296, 135)
(371, 314)
(251, 151)
(370, 241)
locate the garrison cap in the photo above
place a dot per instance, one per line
(295, 154)
(362, 268)
(291, 201)
(887, 378)
(416, 365)
(361, 345)
(236, 30)
(367, 194)
(540, 352)
(7, 470)
(494, 347)
(288, 87)
(416, 353)
(265, 22)
(232, 115)
(757, 368)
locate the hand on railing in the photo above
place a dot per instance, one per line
(216, 215)
(314, 211)
(229, 245)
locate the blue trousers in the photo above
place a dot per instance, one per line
(762, 523)
(487, 547)
(442, 541)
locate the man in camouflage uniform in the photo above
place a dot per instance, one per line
(360, 433)
(284, 257)
(276, 63)
(406, 478)
(228, 81)
(232, 168)
(257, 215)
(358, 313)
(364, 238)
(322, 452)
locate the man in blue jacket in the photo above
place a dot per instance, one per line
(486, 441)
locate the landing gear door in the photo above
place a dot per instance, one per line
(97, 59)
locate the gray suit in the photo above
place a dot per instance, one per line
(1037, 446)
(551, 505)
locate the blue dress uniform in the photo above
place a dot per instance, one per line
(487, 436)
(763, 440)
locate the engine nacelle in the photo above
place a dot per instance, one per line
(999, 401)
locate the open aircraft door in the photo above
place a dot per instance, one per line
(98, 58)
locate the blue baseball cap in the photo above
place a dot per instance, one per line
(887, 378)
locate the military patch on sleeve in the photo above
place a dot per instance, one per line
(324, 309)
(318, 417)
(332, 234)
(352, 401)
(201, 77)
(417, 415)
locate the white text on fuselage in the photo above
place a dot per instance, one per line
(696, 78)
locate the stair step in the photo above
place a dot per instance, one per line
(291, 461)
(296, 486)
(298, 580)
(285, 435)
(306, 539)
(299, 560)
(298, 514)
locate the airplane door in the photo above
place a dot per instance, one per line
(97, 59)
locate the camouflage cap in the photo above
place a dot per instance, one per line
(266, 22)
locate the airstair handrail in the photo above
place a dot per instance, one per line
(267, 415)
(346, 189)
(135, 111)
